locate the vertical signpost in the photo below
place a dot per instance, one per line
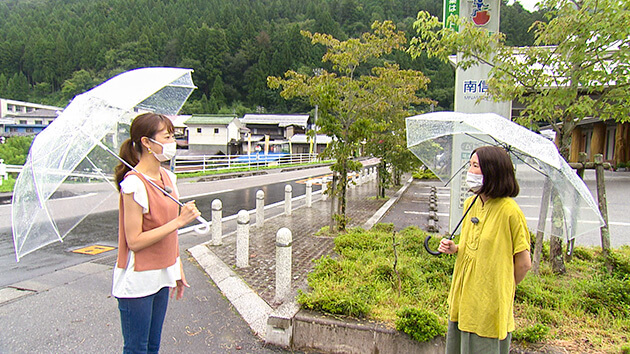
(471, 93)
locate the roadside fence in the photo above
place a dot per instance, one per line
(202, 163)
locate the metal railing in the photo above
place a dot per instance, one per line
(202, 163)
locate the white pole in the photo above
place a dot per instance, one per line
(260, 208)
(284, 240)
(217, 215)
(288, 194)
(242, 239)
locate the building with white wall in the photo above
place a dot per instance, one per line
(214, 134)
(12, 107)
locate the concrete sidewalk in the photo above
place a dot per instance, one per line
(72, 311)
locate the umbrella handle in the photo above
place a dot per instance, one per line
(204, 226)
(426, 246)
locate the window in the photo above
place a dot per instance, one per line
(198, 130)
(38, 122)
(216, 130)
(29, 130)
(23, 121)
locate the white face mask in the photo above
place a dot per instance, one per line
(474, 181)
(168, 151)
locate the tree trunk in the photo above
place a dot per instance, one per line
(542, 219)
(556, 255)
(341, 223)
(382, 178)
(603, 207)
(333, 210)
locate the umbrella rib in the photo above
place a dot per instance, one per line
(508, 148)
(103, 176)
(456, 173)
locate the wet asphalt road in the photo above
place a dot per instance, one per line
(101, 228)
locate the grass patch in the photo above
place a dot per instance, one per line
(423, 173)
(7, 185)
(385, 198)
(589, 304)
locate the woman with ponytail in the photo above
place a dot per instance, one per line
(148, 261)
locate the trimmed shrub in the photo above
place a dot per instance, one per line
(420, 324)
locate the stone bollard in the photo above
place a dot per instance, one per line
(217, 229)
(324, 188)
(288, 194)
(260, 208)
(309, 193)
(353, 180)
(242, 239)
(284, 240)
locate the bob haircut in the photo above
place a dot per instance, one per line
(496, 166)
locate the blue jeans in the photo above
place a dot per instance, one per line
(141, 320)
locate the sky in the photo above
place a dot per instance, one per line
(527, 4)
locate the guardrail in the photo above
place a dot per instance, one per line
(202, 163)
(10, 168)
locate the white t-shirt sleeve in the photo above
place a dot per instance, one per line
(173, 178)
(133, 184)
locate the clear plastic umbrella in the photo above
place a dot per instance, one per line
(68, 172)
(431, 138)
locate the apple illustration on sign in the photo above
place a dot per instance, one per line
(481, 17)
(480, 12)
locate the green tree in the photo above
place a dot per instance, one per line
(18, 87)
(80, 82)
(352, 105)
(578, 68)
(15, 149)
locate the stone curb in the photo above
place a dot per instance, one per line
(274, 326)
(379, 214)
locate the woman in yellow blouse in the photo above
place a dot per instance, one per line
(492, 258)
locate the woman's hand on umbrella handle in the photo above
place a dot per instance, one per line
(447, 246)
(188, 212)
(203, 227)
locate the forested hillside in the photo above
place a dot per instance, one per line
(55, 49)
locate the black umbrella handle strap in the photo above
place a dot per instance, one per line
(463, 217)
(426, 240)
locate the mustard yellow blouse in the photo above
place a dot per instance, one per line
(482, 293)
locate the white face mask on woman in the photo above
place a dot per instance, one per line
(474, 181)
(168, 151)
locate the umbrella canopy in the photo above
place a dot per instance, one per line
(431, 138)
(63, 157)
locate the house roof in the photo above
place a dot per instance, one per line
(283, 120)
(178, 121)
(37, 113)
(210, 120)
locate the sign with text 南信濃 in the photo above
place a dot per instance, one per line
(471, 95)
